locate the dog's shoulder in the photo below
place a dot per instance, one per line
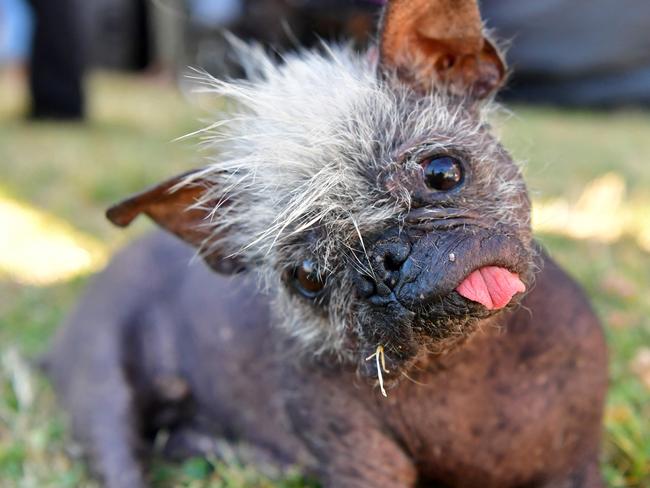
(558, 303)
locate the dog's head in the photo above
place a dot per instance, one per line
(366, 189)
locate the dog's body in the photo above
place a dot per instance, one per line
(361, 204)
(518, 405)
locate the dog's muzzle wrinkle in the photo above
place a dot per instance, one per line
(417, 268)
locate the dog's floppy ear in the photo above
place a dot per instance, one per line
(172, 206)
(441, 42)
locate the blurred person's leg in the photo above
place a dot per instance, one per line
(57, 61)
(167, 19)
(142, 55)
(575, 52)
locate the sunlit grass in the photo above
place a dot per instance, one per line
(33, 446)
(589, 177)
(38, 249)
(601, 212)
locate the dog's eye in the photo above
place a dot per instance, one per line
(306, 281)
(442, 173)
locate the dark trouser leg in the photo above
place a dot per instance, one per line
(57, 64)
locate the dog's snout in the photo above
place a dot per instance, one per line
(392, 255)
(386, 259)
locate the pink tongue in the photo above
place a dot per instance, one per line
(491, 286)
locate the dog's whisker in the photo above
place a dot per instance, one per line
(363, 247)
(380, 361)
(419, 383)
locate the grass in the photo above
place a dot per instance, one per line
(588, 175)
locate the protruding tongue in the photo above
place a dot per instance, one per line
(491, 286)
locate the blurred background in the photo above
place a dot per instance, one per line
(93, 95)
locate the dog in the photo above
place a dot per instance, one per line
(370, 305)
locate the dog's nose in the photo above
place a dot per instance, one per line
(386, 258)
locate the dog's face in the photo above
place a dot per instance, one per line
(366, 190)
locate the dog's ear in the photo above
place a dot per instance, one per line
(440, 42)
(172, 205)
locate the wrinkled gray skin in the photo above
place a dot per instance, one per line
(181, 348)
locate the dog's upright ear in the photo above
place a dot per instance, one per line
(440, 43)
(173, 206)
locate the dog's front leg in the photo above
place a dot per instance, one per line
(369, 458)
(114, 455)
(350, 445)
(587, 476)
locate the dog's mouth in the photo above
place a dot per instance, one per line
(485, 291)
(445, 285)
(491, 286)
